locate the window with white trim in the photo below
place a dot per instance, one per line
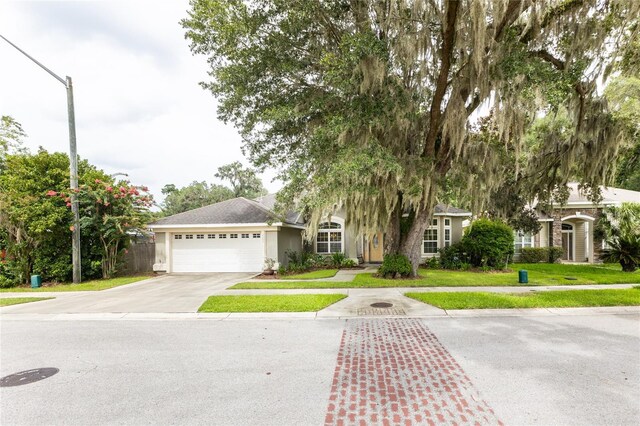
(189, 236)
(200, 236)
(447, 232)
(245, 235)
(211, 236)
(430, 238)
(177, 237)
(520, 240)
(233, 235)
(329, 238)
(256, 235)
(222, 236)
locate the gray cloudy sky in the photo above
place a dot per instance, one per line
(139, 108)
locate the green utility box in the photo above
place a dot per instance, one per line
(36, 281)
(523, 276)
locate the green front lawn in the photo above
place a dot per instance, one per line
(270, 303)
(313, 275)
(94, 285)
(539, 274)
(17, 300)
(543, 299)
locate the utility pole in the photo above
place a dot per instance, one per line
(73, 165)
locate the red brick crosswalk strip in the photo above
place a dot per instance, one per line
(396, 372)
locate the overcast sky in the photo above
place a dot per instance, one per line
(139, 108)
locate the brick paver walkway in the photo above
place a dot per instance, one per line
(396, 372)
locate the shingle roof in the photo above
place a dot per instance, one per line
(236, 210)
(609, 195)
(442, 209)
(269, 201)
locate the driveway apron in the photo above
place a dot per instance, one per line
(170, 293)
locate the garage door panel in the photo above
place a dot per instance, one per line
(218, 255)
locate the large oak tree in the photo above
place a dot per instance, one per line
(369, 104)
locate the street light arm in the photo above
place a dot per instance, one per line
(57, 77)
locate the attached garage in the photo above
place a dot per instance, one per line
(236, 235)
(218, 252)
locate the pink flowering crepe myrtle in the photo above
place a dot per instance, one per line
(113, 212)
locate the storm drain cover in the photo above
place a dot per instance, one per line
(381, 305)
(26, 377)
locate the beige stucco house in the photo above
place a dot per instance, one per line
(238, 235)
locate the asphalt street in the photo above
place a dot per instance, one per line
(573, 370)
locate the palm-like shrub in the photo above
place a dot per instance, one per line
(624, 250)
(620, 228)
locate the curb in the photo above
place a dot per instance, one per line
(460, 313)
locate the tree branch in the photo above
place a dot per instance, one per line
(509, 17)
(441, 84)
(548, 57)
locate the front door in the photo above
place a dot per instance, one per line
(567, 245)
(376, 252)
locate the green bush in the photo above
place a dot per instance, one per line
(488, 243)
(394, 265)
(336, 259)
(300, 261)
(555, 254)
(453, 257)
(534, 255)
(432, 263)
(348, 263)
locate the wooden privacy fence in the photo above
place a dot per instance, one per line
(139, 258)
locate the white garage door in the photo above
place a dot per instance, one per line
(218, 252)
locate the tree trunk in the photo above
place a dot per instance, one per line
(411, 246)
(392, 233)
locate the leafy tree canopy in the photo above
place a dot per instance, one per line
(192, 196)
(243, 180)
(244, 183)
(37, 226)
(623, 95)
(369, 104)
(11, 136)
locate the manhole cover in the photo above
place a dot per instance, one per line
(26, 377)
(381, 305)
(570, 278)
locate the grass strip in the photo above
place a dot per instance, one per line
(543, 299)
(313, 275)
(8, 301)
(270, 303)
(539, 274)
(93, 285)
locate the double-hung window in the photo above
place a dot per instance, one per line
(447, 232)
(521, 240)
(430, 239)
(329, 238)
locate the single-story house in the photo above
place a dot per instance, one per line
(571, 225)
(237, 235)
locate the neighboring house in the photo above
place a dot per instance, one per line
(238, 235)
(571, 226)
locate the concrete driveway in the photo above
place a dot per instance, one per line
(171, 293)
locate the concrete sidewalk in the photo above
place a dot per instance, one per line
(343, 275)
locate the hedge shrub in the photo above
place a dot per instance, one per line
(555, 254)
(488, 243)
(395, 264)
(534, 255)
